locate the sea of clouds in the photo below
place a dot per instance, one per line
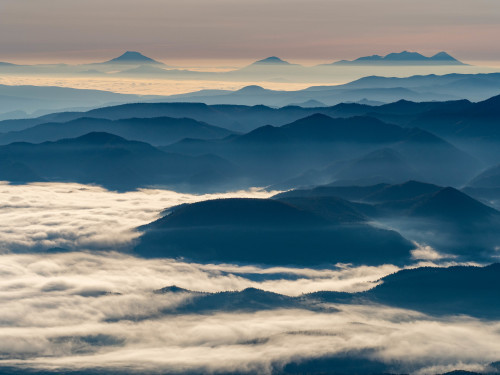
(80, 310)
(95, 307)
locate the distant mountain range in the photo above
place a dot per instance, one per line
(157, 130)
(373, 91)
(457, 290)
(312, 150)
(245, 118)
(411, 198)
(317, 141)
(359, 144)
(113, 162)
(442, 217)
(47, 99)
(473, 87)
(403, 58)
(272, 69)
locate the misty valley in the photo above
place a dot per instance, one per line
(337, 229)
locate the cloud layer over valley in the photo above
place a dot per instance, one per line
(93, 309)
(78, 310)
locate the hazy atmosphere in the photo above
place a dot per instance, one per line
(203, 32)
(236, 187)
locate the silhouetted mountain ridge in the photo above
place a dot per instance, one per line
(403, 58)
(269, 231)
(157, 131)
(114, 162)
(133, 57)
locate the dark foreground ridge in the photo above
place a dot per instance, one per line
(266, 231)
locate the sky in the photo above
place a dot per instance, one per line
(234, 31)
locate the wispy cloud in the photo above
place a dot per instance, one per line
(55, 314)
(90, 308)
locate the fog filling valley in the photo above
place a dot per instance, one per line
(96, 307)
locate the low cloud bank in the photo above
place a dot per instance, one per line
(92, 309)
(85, 310)
(75, 216)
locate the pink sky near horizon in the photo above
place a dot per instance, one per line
(235, 32)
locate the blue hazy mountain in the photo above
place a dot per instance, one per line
(350, 193)
(411, 198)
(372, 194)
(309, 104)
(273, 69)
(14, 115)
(238, 117)
(334, 95)
(418, 88)
(318, 141)
(157, 130)
(400, 192)
(235, 117)
(47, 99)
(489, 178)
(113, 162)
(385, 164)
(403, 58)
(413, 158)
(133, 58)
(273, 61)
(474, 127)
(267, 231)
(447, 204)
(241, 117)
(394, 153)
(362, 150)
(445, 218)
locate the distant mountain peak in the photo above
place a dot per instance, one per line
(273, 60)
(443, 56)
(251, 89)
(450, 202)
(133, 57)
